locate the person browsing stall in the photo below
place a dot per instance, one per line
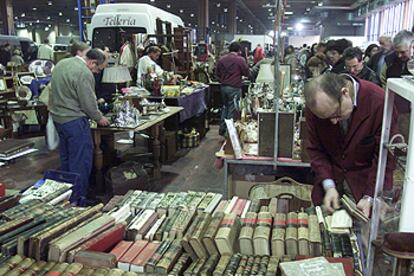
(355, 66)
(73, 102)
(344, 122)
(147, 61)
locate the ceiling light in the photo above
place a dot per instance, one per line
(168, 6)
(212, 22)
(299, 26)
(288, 12)
(30, 24)
(68, 20)
(49, 3)
(283, 34)
(237, 18)
(218, 5)
(181, 11)
(152, 1)
(289, 28)
(320, 4)
(241, 20)
(48, 18)
(226, 10)
(23, 15)
(189, 24)
(308, 9)
(16, 17)
(75, 8)
(46, 29)
(50, 25)
(192, 14)
(271, 33)
(38, 21)
(60, 13)
(34, 8)
(196, 25)
(269, 10)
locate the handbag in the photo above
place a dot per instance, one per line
(52, 136)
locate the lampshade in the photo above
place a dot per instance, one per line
(116, 74)
(265, 74)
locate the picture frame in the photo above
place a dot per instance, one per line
(285, 73)
(3, 85)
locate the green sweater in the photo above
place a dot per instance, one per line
(73, 95)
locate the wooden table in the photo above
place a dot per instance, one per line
(103, 138)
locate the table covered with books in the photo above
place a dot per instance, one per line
(177, 233)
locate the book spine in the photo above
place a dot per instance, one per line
(170, 258)
(213, 204)
(278, 235)
(246, 209)
(222, 265)
(272, 267)
(292, 234)
(151, 233)
(231, 205)
(209, 266)
(303, 234)
(249, 266)
(262, 233)
(150, 266)
(242, 265)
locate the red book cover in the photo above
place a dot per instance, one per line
(139, 262)
(133, 251)
(121, 248)
(239, 206)
(106, 240)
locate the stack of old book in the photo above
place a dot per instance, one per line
(51, 192)
(14, 147)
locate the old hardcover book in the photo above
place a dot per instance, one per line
(185, 242)
(256, 265)
(262, 233)
(14, 224)
(200, 264)
(9, 202)
(242, 265)
(73, 269)
(169, 224)
(21, 267)
(226, 235)
(165, 203)
(283, 205)
(11, 147)
(59, 267)
(112, 204)
(138, 264)
(303, 234)
(86, 272)
(177, 203)
(101, 272)
(95, 259)
(181, 224)
(159, 233)
(39, 243)
(249, 266)
(115, 272)
(195, 201)
(120, 249)
(170, 257)
(246, 209)
(273, 206)
(273, 266)
(205, 202)
(246, 233)
(10, 264)
(239, 206)
(102, 242)
(197, 236)
(59, 248)
(122, 214)
(146, 201)
(151, 233)
(312, 267)
(231, 205)
(153, 261)
(46, 268)
(315, 240)
(138, 229)
(351, 207)
(278, 235)
(221, 206)
(182, 264)
(211, 231)
(190, 269)
(34, 269)
(291, 239)
(264, 262)
(255, 206)
(155, 202)
(233, 265)
(210, 265)
(326, 241)
(126, 260)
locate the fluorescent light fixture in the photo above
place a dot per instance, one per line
(299, 26)
(218, 5)
(226, 10)
(23, 15)
(288, 12)
(289, 28)
(34, 8)
(320, 4)
(49, 3)
(60, 13)
(192, 14)
(48, 18)
(68, 20)
(181, 11)
(168, 6)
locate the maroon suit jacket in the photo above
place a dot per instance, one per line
(355, 156)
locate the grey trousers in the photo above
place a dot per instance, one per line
(230, 97)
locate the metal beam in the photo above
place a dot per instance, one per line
(6, 10)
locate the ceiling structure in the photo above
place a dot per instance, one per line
(253, 16)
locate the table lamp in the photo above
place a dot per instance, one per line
(116, 74)
(265, 74)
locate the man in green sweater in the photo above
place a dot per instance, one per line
(72, 103)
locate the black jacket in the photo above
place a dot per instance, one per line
(339, 67)
(369, 75)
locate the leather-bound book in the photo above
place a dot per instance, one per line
(190, 268)
(197, 236)
(210, 265)
(211, 231)
(138, 264)
(115, 272)
(242, 265)
(182, 223)
(231, 205)
(59, 248)
(222, 265)
(197, 268)
(170, 257)
(264, 262)
(278, 235)
(165, 203)
(262, 232)
(46, 268)
(138, 229)
(185, 242)
(86, 272)
(221, 207)
(169, 224)
(315, 240)
(102, 242)
(9, 202)
(246, 233)
(10, 264)
(153, 230)
(291, 239)
(249, 265)
(194, 202)
(112, 204)
(39, 242)
(27, 226)
(34, 269)
(227, 234)
(273, 206)
(246, 209)
(205, 202)
(156, 200)
(177, 203)
(73, 269)
(239, 206)
(272, 267)
(59, 267)
(326, 240)
(303, 234)
(94, 259)
(153, 261)
(256, 265)
(120, 249)
(182, 264)
(160, 231)
(101, 272)
(14, 224)
(126, 260)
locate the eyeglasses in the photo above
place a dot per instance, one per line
(337, 115)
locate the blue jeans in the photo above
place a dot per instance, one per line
(76, 153)
(230, 97)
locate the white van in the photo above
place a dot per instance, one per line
(110, 20)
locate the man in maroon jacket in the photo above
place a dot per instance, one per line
(230, 70)
(344, 121)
